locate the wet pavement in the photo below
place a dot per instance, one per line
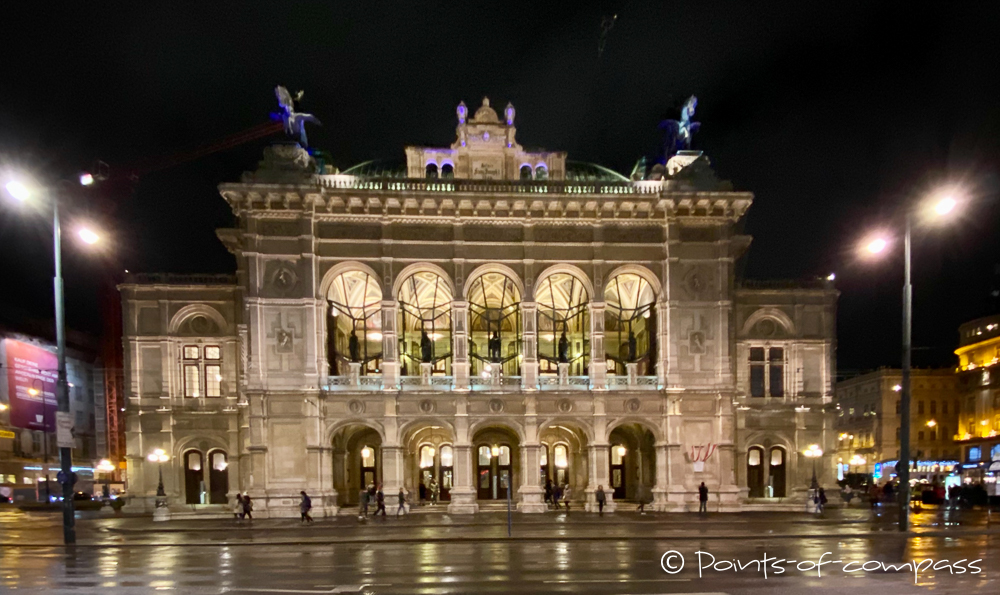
(553, 553)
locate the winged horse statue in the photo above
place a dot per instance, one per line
(295, 122)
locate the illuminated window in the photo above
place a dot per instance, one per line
(975, 453)
(494, 324)
(213, 352)
(219, 462)
(425, 323)
(777, 457)
(630, 324)
(543, 456)
(354, 323)
(426, 456)
(559, 455)
(191, 352)
(753, 457)
(447, 456)
(563, 323)
(484, 455)
(617, 454)
(367, 461)
(213, 381)
(192, 381)
(995, 452)
(504, 456)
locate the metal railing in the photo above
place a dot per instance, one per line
(348, 182)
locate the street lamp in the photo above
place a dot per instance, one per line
(813, 452)
(942, 204)
(857, 461)
(159, 456)
(23, 193)
(107, 468)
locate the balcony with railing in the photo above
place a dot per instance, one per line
(491, 383)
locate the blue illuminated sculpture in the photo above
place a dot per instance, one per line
(677, 133)
(295, 122)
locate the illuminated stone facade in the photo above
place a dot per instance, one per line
(979, 423)
(483, 314)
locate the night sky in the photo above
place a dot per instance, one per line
(833, 117)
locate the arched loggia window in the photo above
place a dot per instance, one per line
(354, 323)
(494, 324)
(563, 324)
(447, 171)
(425, 323)
(630, 324)
(525, 172)
(431, 171)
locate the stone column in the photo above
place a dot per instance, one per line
(632, 373)
(463, 494)
(598, 360)
(392, 472)
(529, 338)
(390, 346)
(662, 343)
(532, 496)
(460, 344)
(660, 497)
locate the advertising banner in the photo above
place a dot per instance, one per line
(31, 380)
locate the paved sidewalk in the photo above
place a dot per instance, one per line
(44, 529)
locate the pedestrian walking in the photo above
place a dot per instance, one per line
(238, 507)
(363, 504)
(556, 496)
(640, 494)
(567, 493)
(703, 498)
(548, 491)
(402, 502)
(821, 500)
(305, 506)
(599, 494)
(379, 502)
(247, 507)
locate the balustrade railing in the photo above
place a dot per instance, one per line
(478, 383)
(348, 182)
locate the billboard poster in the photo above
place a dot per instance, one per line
(31, 381)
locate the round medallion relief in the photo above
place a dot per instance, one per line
(427, 406)
(766, 327)
(565, 406)
(356, 407)
(633, 405)
(200, 324)
(496, 405)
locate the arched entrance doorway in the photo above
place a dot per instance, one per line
(357, 462)
(430, 464)
(563, 458)
(632, 462)
(755, 471)
(496, 455)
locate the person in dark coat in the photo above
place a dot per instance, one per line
(548, 490)
(354, 348)
(563, 348)
(305, 506)
(556, 496)
(601, 499)
(363, 504)
(402, 502)
(703, 498)
(247, 507)
(379, 501)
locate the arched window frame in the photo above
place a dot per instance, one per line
(622, 319)
(487, 315)
(554, 320)
(365, 317)
(433, 318)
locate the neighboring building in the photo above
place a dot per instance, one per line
(28, 449)
(979, 380)
(478, 315)
(868, 422)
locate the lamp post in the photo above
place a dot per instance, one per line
(67, 478)
(943, 205)
(857, 461)
(162, 513)
(813, 452)
(107, 468)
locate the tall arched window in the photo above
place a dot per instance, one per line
(494, 324)
(630, 324)
(218, 478)
(563, 323)
(541, 172)
(431, 171)
(755, 471)
(354, 323)
(425, 323)
(560, 460)
(447, 171)
(194, 477)
(776, 472)
(525, 172)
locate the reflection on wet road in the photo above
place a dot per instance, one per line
(524, 567)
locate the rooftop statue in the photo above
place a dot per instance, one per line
(677, 133)
(295, 122)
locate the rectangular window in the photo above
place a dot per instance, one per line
(776, 358)
(933, 435)
(944, 407)
(192, 386)
(920, 436)
(191, 352)
(213, 380)
(933, 407)
(756, 371)
(920, 407)
(897, 407)
(213, 352)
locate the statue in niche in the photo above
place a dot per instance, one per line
(295, 122)
(631, 347)
(563, 348)
(426, 348)
(353, 347)
(494, 347)
(284, 339)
